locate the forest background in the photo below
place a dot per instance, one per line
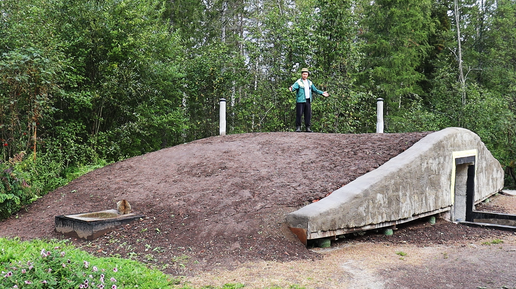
(86, 83)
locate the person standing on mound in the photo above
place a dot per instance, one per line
(304, 88)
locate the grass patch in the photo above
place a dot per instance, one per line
(56, 264)
(401, 254)
(493, 242)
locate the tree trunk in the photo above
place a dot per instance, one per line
(462, 80)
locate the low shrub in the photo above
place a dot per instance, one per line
(55, 264)
(15, 190)
(24, 179)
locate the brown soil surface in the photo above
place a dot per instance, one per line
(217, 206)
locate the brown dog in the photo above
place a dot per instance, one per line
(123, 207)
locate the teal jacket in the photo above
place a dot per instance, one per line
(299, 88)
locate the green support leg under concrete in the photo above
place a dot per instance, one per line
(324, 243)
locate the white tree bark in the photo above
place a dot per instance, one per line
(462, 79)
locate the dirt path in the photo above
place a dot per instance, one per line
(219, 205)
(414, 257)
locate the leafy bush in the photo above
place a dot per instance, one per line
(24, 179)
(55, 264)
(345, 112)
(15, 191)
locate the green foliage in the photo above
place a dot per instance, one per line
(499, 57)
(126, 61)
(24, 179)
(414, 118)
(56, 264)
(68, 143)
(27, 81)
(271, 112)
(104, 66)
(493, 242)
(352, 112)
(15, 191)
(397, 35)
(213, 74)
(338, 49)
(488, 115)
(349, 109)
(154, 128)
(82, 82)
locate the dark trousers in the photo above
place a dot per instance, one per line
(306, 109)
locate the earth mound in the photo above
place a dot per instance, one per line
(221, 201)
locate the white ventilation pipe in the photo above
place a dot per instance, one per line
(379, 115)
(222, 129)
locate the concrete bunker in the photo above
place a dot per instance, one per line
(446, 173)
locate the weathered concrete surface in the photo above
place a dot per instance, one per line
(419, 182)
(509, 192)
(92, 225)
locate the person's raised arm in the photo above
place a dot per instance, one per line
(294, 87)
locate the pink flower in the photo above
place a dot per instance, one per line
(9, 274)
(115, 269)
(112, 279)
(28, 282)
(23, 271)
(86, 264)
(95, 269)
(113, 287)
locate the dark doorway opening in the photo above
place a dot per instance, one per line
(464, 196)
(464, 200)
